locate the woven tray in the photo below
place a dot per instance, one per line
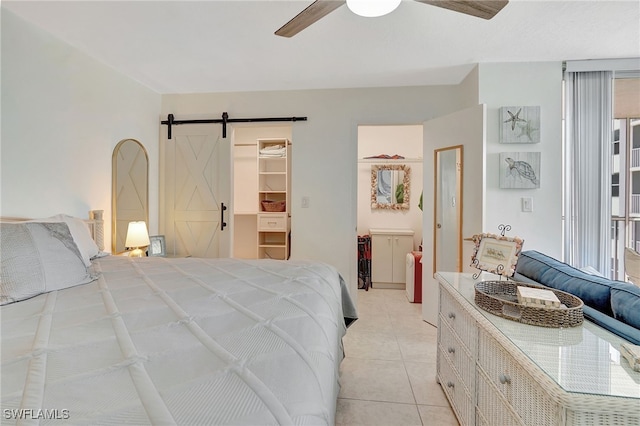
(501, 298)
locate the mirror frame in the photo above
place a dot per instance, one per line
(375, 168)
(460, 206)
(114, 186)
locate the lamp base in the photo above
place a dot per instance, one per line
(137, 252)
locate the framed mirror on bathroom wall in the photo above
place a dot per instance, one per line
(130, 190)
(390, 186)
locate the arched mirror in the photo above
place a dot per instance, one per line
(390, 186)
(130, 190)
(447, 232)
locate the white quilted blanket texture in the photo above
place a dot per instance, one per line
(178, 341)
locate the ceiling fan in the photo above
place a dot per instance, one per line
(317, 10)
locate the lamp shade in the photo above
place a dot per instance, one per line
(137, 235)
(372, 8)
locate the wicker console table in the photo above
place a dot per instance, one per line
(500, 372)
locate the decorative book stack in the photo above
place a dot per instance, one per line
(538, 297)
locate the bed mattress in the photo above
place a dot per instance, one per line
(179, 341)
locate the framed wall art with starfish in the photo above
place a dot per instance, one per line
(520, 124)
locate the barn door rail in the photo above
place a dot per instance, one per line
(171, 121)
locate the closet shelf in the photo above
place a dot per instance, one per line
(274, 182)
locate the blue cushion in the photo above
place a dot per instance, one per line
(523, 279)
(593, 290)
(627, 332)
(619, 328)
(625, 304)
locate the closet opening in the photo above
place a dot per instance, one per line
(261, 182)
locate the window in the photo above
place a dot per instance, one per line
(615, 185)
(601, 157)
(625, 191)
(625, 200)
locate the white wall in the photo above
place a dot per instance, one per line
(486, 205)
(526, 84)
(62, 115)
(401, 140)
(63, 112)
(324, 154)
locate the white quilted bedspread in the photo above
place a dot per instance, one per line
(178, 341)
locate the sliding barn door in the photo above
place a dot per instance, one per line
(196, 182)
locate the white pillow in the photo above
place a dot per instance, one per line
(38, 258)
(80, 233)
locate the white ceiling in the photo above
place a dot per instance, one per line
(223, 46)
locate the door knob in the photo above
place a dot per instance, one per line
(438, 225)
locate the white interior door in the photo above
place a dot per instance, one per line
(466, 128)
(196, 186)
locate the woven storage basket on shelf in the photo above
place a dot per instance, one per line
(501, 298)
(273, 206)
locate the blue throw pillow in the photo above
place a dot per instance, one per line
(625, 304)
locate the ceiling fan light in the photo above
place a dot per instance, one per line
(372, 8)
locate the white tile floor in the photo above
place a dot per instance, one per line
(388, 374)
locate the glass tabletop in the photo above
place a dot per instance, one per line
(584, 359)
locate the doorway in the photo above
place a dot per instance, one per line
(389, 148)
(245, 204)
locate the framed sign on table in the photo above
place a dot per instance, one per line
(496, 254)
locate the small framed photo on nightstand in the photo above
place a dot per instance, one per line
(157, 246)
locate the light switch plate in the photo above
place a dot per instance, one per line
(527, 204)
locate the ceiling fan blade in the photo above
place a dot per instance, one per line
(480, 8)
(314, 12)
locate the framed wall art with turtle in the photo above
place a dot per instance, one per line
(520, 124)
(519, 170)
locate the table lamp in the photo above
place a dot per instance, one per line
(137, 236)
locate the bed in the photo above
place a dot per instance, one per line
(156, 340)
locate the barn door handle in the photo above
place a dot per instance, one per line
(222, 222)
